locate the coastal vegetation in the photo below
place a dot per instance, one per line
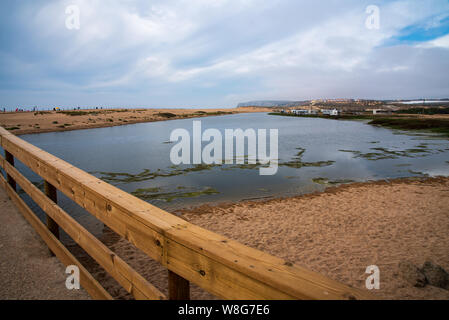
(166, 114)
(440, 126)
(78, 113)
(156, 194)
(429, 111)
(427, 124)
(339, 117)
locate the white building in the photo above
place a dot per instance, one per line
(380, 111)
(330, 112)
(303, 112)
(300, 112)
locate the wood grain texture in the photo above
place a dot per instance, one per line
(10, 159)
(178, 287)
(51, 193)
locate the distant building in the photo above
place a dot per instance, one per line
(300, 112)
(330, 112)
(303, 112)
(381, 111)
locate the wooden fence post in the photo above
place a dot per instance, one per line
(50, 191)
(10, 159)
(178, 287)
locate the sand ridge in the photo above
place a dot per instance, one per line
(52, 121)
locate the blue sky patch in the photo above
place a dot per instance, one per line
(421, 32)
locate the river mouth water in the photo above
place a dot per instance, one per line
(313, 153)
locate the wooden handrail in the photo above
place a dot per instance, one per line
(132, 281)
(88, 282)
(221, 266)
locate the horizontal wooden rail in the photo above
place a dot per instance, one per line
(91, 285)
(222, 266)
(132, 281)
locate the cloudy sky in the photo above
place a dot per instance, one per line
(217, 53)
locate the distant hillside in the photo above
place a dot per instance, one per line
(272, 103)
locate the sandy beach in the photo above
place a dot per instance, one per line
(338, 233)
(51, 121)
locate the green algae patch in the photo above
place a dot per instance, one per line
(301, 152)
(380, 153)
(419, 173)
(147, 174)
(298, 163)
(325, 181)
(244, 166)
(148, 190)
(156, 194)
(373, 156)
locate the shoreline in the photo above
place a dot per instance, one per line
(344, 229)
(337, 232)
(21, 123)
(331, 189)
(102, 125)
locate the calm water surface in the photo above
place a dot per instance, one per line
(313, 153)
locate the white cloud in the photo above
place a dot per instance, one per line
(441, 42)
(228, 49)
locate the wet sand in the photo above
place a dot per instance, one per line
(51, 121)
(338, 233)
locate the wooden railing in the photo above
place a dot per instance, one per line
(224, 267)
